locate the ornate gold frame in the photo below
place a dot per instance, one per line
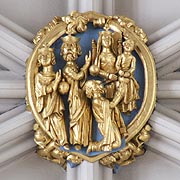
(138, 130)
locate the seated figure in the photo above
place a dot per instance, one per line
(104, 63)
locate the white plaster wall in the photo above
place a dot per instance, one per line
(148, 167)
(32, 167)
(32, 14)
(151, 15)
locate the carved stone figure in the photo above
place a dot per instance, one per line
(127, 87)
(109, 119)
(48, 101)
(79, 110)
(104, 65)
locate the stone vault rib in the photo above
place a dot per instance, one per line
(17, 123)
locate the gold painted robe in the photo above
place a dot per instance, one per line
(109, 122)
(79, 110)
(128, 85)
(51, 107)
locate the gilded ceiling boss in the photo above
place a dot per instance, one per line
(82, 112)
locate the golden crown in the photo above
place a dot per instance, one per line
(70, 39)
(45, 49)
(106, 32)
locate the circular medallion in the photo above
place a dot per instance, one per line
(91, 86)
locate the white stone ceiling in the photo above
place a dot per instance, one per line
(16, 136)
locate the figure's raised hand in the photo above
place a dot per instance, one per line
(58, 76)
(88, 59)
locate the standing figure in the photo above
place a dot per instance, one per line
(127, 87)
(104, 65)
(110, 122)
(48, 101)
(79, 109)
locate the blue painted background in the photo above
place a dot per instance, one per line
(85, 43)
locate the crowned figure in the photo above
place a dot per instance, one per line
(79, 110)
(105, 61)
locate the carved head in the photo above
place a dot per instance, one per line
(93, 88)
(70, 49)
(46, 56)
(128, 45)
(107, 39)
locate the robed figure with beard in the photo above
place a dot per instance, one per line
(79, 110)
